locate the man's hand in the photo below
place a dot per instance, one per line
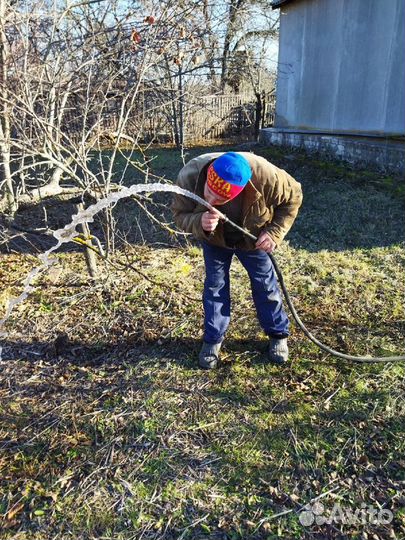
(209, 221)
(265, 242)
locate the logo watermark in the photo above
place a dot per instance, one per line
(317, 514)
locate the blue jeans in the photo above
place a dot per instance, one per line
(265, 291)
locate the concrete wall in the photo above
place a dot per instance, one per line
(365, 152)
(341, 66)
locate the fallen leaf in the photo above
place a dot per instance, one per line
(16, 509)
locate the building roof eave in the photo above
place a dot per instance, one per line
(276, 4)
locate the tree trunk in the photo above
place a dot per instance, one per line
(211, 47)
(90, 256)
(174, 119)
(181, 112)
(5, 147)
(35, 196)
(234, 7)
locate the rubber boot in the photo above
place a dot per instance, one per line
(209, 355)
(278, 351)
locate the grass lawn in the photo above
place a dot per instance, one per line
(109, 431)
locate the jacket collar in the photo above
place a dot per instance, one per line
(250, 196)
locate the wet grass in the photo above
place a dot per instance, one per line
(108, 430)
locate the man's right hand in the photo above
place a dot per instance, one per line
(209, 221)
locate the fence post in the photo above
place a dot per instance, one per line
(258, 115)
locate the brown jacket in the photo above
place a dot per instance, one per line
(271, 200)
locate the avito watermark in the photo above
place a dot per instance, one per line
(317, 514)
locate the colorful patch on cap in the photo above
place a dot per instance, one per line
(218, 185)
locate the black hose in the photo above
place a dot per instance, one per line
(361, 359)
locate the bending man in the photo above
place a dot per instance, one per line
(260, 197)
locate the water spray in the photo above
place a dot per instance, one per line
(69, 233)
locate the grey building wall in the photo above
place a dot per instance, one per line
(341, 66)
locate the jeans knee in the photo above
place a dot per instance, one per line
(215, 286)
(263, 283)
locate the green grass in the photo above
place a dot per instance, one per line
(130, 166)
(108, 430)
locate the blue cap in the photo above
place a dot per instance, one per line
(233, 168)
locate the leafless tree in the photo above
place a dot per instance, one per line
(63, 73)
(75, 80)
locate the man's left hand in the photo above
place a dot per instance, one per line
(265, 242)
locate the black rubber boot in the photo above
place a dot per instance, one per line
(209, 355)
(278, 351)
